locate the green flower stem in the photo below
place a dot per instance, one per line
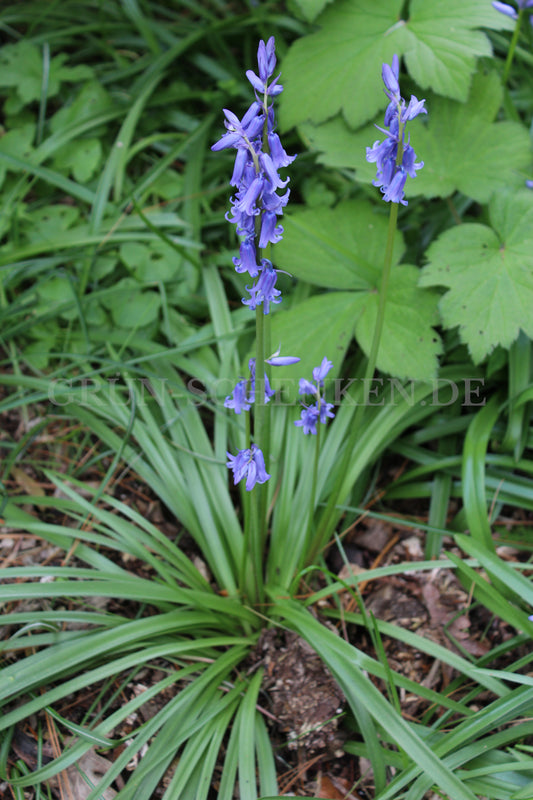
(267, 422)
(262, 415)
(252, 582)
(520, 359)
(259, 405)
(378, 330)
(266, 370)
(261, 412)
(326, 520)
(512, 48)
(250, 575)
(247, 514)
(313, 498)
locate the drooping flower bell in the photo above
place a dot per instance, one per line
(264, 290)
(249, 464)
(243, 394)
(320, 410)
(510, 11)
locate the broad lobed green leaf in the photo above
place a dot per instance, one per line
(488, 275)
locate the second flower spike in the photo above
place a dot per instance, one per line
(395, 159)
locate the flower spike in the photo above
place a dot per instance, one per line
(260, 155)
(394, 158)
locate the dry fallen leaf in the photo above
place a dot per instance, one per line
(334, 788)
(74, 783)
(78, 780)
(26, 482)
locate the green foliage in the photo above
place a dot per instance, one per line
(343, 248)
(324, 317)
(488, 272)
(311, 8)
(336, 248)
(466, 150)
(341, 63)
(411, 345)
(17, 144)
(60, 150)
(22, 69)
